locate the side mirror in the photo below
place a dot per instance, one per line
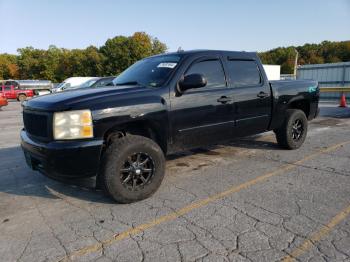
(192, 81)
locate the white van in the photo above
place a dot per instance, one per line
(72, 82)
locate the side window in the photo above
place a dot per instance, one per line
(243, 73)
(101, 83)
(212, 70)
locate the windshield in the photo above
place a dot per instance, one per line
(61, 85)
(87, 83)
(103, 82)
(152, 72)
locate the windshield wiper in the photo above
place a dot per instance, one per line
(128, 83)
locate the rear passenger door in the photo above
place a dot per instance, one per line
(251, 94)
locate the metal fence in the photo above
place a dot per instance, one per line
(334, 75)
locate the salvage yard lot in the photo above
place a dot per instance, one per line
(243, 201)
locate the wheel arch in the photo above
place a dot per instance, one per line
(301, 104)
(144, 128)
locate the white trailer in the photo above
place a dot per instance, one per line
(273, 72)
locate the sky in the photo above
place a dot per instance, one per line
(250, 25)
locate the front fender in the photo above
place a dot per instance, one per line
(153, 112)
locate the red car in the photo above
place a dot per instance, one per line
(10, 92)
(3, 101)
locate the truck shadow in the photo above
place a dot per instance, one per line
(263, 141)
(17, 179)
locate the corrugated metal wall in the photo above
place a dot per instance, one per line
(328, 75)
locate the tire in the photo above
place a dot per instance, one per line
(21, 97)
(288, 135)
(119, 163)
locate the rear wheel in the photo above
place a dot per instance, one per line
(293, 132)
(132, 168)
(21, 97)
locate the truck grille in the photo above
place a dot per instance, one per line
(36, 124)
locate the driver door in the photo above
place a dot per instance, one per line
(205, 115)
(7, 91)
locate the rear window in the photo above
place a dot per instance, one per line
(243, 73)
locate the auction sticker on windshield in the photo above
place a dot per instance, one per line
(167, 65)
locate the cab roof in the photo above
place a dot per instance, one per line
(233, 54)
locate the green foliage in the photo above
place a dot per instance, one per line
(57, 64)
(118, 53)
(326, 52)
(79, 62)
(8, 66)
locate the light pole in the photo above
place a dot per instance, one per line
(296, 63)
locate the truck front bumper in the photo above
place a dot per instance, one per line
(62, 159)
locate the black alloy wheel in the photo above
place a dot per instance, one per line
(292, 133)
(133, 168)
(137, 171)
(297, 129)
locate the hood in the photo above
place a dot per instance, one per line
(79, 98)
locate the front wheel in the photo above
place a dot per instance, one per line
(133, 168)
(21, 97)
(292, 134)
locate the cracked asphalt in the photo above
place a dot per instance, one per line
(246, 200)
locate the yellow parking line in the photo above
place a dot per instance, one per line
(325, 230)
(195, 205)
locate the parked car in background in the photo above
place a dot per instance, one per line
(86, 84)
(3, 101)
(98, 82)
(11, 92)
(71, 82)
(104, 81)
(39, 87)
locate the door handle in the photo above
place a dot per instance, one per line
(262, 94)
(224, 99)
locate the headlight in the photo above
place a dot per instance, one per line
(72, 125)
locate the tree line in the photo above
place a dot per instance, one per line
(118, 53)
(325, 52)
(57, 64)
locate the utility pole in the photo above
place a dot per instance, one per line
(296, 63)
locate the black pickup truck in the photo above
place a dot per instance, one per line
(161, 105)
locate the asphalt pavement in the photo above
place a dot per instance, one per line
(247, 200)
